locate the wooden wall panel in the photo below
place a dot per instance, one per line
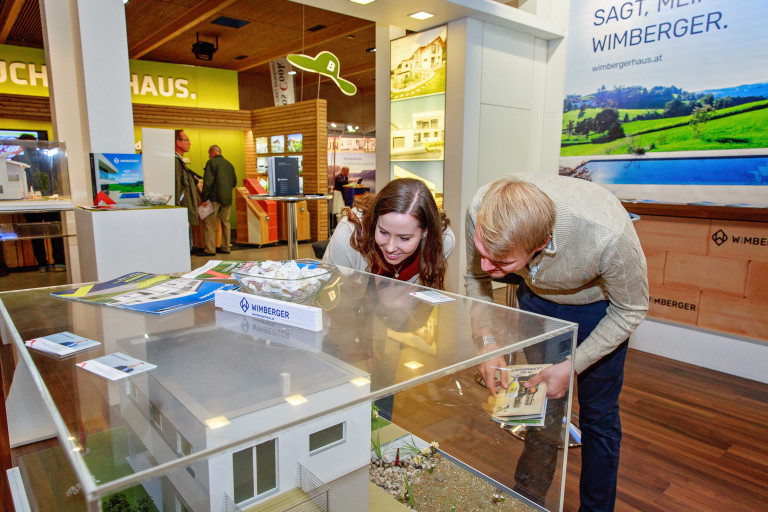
(310, 119)
(699, 265)
(34, 108)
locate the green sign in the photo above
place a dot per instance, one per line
(23, 71)
(326, 64)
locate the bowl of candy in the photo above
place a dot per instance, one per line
(154, 199)
(297, 281)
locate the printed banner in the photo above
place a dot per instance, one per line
(282, 82)
(667, 100)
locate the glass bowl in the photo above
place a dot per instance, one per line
(151, 199)
(301, 288)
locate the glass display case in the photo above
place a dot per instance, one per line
(242, 411)
(31, 169)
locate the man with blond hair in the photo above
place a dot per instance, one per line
(573, 248)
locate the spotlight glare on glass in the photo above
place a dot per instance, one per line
(295, 400)
(413, 365)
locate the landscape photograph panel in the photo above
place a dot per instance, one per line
(658, 92)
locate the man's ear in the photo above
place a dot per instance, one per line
(544, 244)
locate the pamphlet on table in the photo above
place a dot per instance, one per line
(216, 269)
(116, 366)
(520, 405)
(147, 293)
(61, 344)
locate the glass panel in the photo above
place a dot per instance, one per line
(266, 467)
(378, 343)
(326, 436)
(242, 469)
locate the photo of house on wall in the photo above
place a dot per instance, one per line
(418, 64)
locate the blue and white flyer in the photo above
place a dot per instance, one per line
(61, 344)
(116, 366)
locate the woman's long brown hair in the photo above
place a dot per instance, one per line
(411, 197)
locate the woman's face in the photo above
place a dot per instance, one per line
(398, 236)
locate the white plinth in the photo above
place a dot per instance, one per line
(112, 243)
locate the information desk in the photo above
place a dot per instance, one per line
(241, 410)
(290, 201)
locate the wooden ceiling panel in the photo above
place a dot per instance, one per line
(26, 29)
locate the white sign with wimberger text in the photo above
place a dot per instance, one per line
(288, 313)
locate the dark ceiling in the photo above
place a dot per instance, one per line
(165, 30)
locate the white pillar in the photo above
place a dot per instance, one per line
(86, 52)
(384, 34)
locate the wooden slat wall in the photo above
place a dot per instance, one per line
(310, 119)
(34, 108)
(190, 117)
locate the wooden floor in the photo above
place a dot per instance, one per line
(694, 439)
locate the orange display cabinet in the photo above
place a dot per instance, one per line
(256, 220)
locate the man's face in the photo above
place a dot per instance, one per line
(499, 268)
(182, 144)
(211, 153)
(345, 171)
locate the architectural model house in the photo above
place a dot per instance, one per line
(219, 384)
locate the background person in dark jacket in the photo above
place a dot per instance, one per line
(218, 181)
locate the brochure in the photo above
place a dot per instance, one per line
(61, 343)
(116, 366)
(216, 269)
(283, 176)
(521, 405)
(147, 293)
(432, 296)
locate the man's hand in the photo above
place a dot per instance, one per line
(557, 378)
(488, 370)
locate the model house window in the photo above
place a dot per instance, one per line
(179, 505)
(326, 438)
(132, 391)
(184, 447)
(255, 471)
(157, 418)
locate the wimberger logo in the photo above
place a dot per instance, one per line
(719, 237)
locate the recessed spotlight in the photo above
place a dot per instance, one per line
(371, 49)
(360, 381)
(361, 2)
(421, 15)
(292, 72)
(295, 400)
(350, 36)
(333, 125)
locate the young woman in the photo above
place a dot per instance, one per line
(398, 233)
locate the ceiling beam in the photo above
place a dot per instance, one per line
(343, 29)
(175, 28)
(8, 16)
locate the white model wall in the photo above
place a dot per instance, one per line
(293, 447)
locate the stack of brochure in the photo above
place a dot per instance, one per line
(520, 405)
(148, 293)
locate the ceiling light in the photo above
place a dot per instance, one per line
(333, 125)
(421, 15)
(371, 49)
(361, 2)
(413, 365)
(292, 72)
(349, 128)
